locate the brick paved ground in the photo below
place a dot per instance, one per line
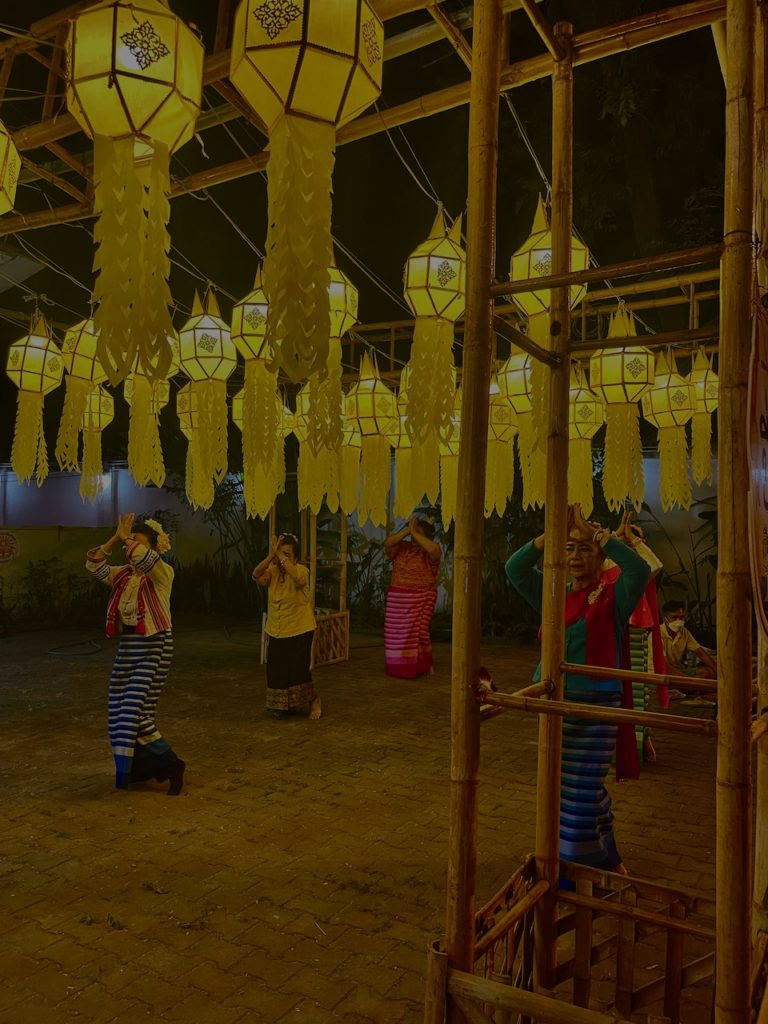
(301, 874)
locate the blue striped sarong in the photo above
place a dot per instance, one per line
(138, 674)
(586, 817)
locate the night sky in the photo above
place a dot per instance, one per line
(648, 177)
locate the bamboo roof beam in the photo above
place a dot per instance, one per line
(681, 280)
(688, 337)
(543, 28)
(5, 71)
(53, 179)
(54, 72)
(453, 34)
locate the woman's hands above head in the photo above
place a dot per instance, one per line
(274, 546)
(627, 531)
(578, 524)
(413, 526)
(124, 531)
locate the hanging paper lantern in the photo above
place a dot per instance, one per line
(449, 466)
(706, 389)
(36, 367)
(586, 415)
(261, 487)
(371, 408)
(668, 406)
(208, 356)
(620, 377)
(10, 164)
(349, 482)
(84, 372)
(134, 84)
(305, 68)
(435, 287)
(98, 413)
(500, 465)
(514, 383)
(145, 398)
(262, 408)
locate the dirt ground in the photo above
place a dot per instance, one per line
(301, 874)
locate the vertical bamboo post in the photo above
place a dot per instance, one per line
(436, 987)
(734, 618)
(556, 518)
(760, 887)
(468, 549)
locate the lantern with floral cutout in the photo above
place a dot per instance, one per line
(36, 367)
(500, 465)
(305, 67)
(10, 165)
(207, 355)
(668, 406)
(134, 84)
(706, 389)
(145, 398)
(435, 289)
(514, 381)
(586, 415)
(621, 377)
(449, 466)
(84, 373)
(371, 408)
(98, 413)
(260, 488)
(261, 407)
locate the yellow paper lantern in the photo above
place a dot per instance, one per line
(515, 388)
(84, 372)
(586, 415)
(10, 165)
(36, 367)
(500, 464)
(371, 409)
(435, 288)
(304, 68)
(620, 377)
(706, 390)
(207, 355)
(534, 259)
(134, 84)
(668, 406)
(98, 413)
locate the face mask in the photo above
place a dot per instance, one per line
(675, 625)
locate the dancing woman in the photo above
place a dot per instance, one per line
(290, 629)
(139, 611)
(411, 599)
(596, 614)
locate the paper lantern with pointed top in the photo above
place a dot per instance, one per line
(98, 413)
(305, 67)
(706, 389)
(586, 415)
(145, 398)
(534, 259)
(134, 84)
(435, 288)
(36, 367)
(515, 387)
(207, 355)
(371, 408)
(84, 372)
(10, 165)
(668, 406)
(261, 407)
(620, 377)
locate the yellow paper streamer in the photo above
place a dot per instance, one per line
(145, 453)
(405, 498)
(533, 463)
(71, 421)
(674, 483)
(349, 484)
(431, 380)
(580, 478)
(29, 455)
(426, 467)
(701, 447)
(623, 475)
(538, 331)
(449, 487)
(375, 479)
(261, 439)
(499, 476)
(318, 478)
(91, 478)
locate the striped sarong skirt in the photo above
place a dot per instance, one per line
(138, 674)
(586, 817)
(289, 676)
(639, 644)
(407, 643)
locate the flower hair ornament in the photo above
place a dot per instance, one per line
(163, 540)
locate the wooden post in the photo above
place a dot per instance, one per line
(436, 987)
(553, 609)
(734, 607)
(760, 888)
(468, 549)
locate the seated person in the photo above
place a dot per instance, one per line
(684, 654)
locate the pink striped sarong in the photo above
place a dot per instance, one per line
(407, 643)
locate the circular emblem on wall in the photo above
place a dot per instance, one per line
(9, 547)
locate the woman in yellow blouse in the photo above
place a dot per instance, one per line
(290, 629)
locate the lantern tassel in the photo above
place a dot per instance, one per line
(623, 463)
(209, 439)
(375, 478)
(299, 245)
(145, 452)
(431, 380)
(426, 469)
(151, 321)
(538, 331)
(701, 447)
(499, 477)
(674, 482)
(533, 463)
(405, 499)
(349, 484)
(261, 429)
(449, 488)
(71, 422)
(580, 475)
(29, 455)
(91, 478)
(318, 478)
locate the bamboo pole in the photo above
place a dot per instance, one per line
(435, 990)
(468, 549)
(512, 916)
(663, 340)
(671, 924)
(651, 678)
(556, 519)
(734, 608)
(543, 28)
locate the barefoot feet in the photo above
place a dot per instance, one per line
(315, 710)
